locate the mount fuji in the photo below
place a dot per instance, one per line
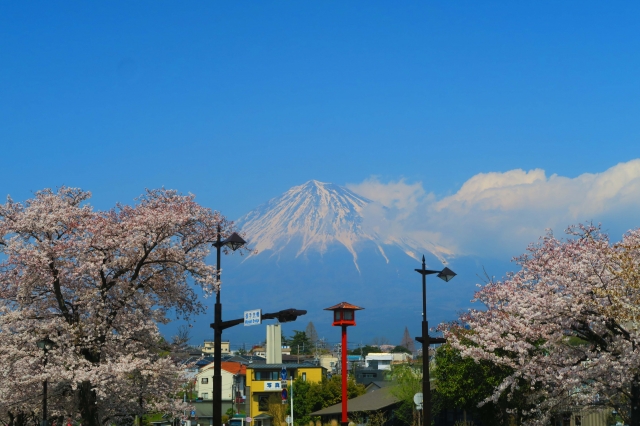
(314, 246)
(316, 216)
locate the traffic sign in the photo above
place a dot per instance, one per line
(283, 384)
(288, 420)
(253, 317)
(418, 399)
(283, 373)
(284, 394)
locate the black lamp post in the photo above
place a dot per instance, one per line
(234, 242)
(446, 274)
(46, 345)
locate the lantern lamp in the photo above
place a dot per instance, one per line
(344, 314)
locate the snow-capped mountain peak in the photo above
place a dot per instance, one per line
(314, 216)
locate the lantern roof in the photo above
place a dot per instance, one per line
(343, 305)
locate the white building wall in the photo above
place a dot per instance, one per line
(385, 360)
(205, 390)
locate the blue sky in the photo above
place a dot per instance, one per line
(238, 101)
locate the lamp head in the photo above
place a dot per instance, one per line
(446, 274)
(289, 315)
(234, 242)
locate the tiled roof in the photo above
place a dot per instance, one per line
(230, 367)
(234, 367)
(343, 305)
(372, 401)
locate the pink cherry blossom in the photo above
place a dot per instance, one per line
(566, 323)
(97, 283)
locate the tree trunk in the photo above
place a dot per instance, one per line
(88, 404)
(635, 401)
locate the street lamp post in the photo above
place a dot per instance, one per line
(344, 316)
(46, 345)
(446, 274)
(234, 242)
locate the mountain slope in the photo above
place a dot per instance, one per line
(316, 215)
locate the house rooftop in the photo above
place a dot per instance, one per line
(372, 401)
(281, 366)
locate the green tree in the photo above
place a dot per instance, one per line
(407, 382)
(400, 349)
(300, 343)
(309, 397)
(463, 383)
(364, 350)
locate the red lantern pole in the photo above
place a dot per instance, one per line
(345, 421)
(343, 315)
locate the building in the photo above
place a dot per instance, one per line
(233, 389)
(207, 348)
(262, 351)
(384, 361)
(366, 376)
(585, 417)
(329, 362)
(264, 381)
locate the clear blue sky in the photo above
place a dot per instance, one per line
(238, 101)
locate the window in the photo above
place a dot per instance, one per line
(268, 375)
(204, 380)
(348, 315)
(205, 396)
(304, 377)
(578, 420)
(263, 402)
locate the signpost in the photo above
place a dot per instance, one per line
(253, 317)
(417, 399)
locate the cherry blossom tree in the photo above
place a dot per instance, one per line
(97, 283)
(566, 324)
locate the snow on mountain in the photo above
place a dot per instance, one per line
(317, 215)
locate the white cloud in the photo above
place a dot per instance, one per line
(500, 213)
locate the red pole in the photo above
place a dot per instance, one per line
(345, 421)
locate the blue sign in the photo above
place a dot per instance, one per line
(283, 373)
(284, 394)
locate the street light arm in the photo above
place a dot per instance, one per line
(285, 315)
(227, 324)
